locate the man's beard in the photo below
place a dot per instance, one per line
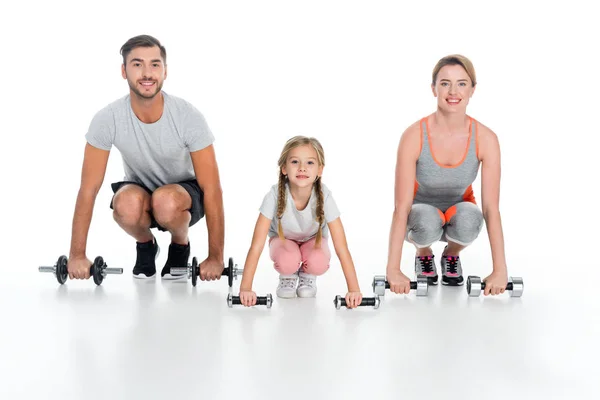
(146, 96)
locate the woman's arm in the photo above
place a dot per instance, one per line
(489, 154)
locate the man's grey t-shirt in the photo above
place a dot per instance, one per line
(298, 225)
(153, 154)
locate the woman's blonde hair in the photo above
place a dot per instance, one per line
(455, 59)
(291, 144)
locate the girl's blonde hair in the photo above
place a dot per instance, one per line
(455, 59)
(291, 144)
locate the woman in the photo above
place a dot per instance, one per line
(438, 160)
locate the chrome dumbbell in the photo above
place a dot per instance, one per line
(260, 300)
(374, 302)
(475, 286)
(420, 285)
(98, 270)
(193, 271)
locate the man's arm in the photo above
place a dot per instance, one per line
(92, 176)
(207, 175)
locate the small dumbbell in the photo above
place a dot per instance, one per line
(260, 300)
(475, 286)
(193, 271)
(420, 285)
(374, 302)
(98, 270)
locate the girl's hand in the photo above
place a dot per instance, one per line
(353, 299)
(247, 298)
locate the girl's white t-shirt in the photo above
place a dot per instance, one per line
(297, 225)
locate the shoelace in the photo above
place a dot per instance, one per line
(287, 282)
(426, 263)
(452, 264)
(306, 281)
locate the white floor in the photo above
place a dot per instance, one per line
(131, 339)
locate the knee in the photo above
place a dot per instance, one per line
(129, 206)
(167, 204)
(465, 222)
(425, 224)
(317, 263)
(287, 263)
(286, 257)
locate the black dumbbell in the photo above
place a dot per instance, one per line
(380, 284)
(374, 302)
(260, 300)
(193, 271)
(98, 270)
(475, 286)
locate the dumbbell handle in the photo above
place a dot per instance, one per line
(260, 300)
(179, 270)
(509, 286)
(413, 285)
(113, 271)
(105, 271)
(185, 270)
(366, 301)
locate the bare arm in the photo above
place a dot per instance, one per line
(338, 237)
(92, 176)
(408, 153)
(207, 175)
(489, 154)
(258, 243)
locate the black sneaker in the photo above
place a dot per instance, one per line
(178, 257)
(452, 273)
(147, 253)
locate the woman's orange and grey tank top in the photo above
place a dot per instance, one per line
(444, 186)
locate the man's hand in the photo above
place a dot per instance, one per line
(79, 268)
(211, 269)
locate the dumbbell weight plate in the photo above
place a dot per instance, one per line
(96, 270)
(61, 269)
(195, 271)
(474, 286)
(230, 273)
(517, 286)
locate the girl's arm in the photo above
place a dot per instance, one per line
(261, 230)
(338, 236)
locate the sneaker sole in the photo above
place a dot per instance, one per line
(286, 295)
(299, 294)
(143, 276)
(169, 277)
(432, 280)
(453, 282)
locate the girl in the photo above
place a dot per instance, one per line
(438, 160)
(297, 214)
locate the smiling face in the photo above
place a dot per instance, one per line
(302, 166)
(145, 71)
(453, 89)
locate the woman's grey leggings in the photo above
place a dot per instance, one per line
(427, 224)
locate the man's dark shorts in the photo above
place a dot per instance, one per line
(191, 186)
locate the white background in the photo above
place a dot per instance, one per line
(354, 75)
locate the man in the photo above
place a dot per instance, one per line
(171, 173)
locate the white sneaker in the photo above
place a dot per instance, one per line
(287, 286)
(307, 287)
